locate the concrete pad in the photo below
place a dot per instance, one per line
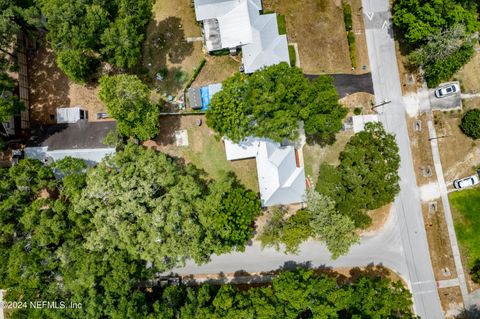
(181, 138)
(429, 192)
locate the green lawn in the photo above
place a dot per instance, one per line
(467, 221)
(292, 55)
(207, 153)
(282, 24)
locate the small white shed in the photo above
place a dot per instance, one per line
(359, 121)
(70, 114)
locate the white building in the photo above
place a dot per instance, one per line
(70, 114)
(232, 24)
(359, 121)
(281, 177)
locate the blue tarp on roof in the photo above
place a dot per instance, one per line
(204, 93)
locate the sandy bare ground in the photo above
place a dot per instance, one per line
(50, 89)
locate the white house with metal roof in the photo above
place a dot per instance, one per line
(281, 176)
(232, 24)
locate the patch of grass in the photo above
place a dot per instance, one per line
(292, 55)
(196, 72)
(282, 24)
(467, 221)
(207, 153)
(314, 154)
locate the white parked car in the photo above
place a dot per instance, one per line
(447, 90)
(466, 182)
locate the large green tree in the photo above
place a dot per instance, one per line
(420, 19)
(128, 101)
(367, 177)
(287, 232)
(470, 124)
(440, 33)
(143, 202)
(86, 30)
(9, 103)
(228, 213)
(271, 102)
(336, 230)
(292, 295)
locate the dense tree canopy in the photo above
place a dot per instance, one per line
(143, 202)
(367, 177)
(271, 102)
(9, 103)
(420, 19)
(336, 230)
(441, 34)
(16, 16)
(292, 295)
(320, 220)
(113, 30)
(85, 235)
(128, 101)
(471, 123)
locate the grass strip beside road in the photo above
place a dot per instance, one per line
(467, 221)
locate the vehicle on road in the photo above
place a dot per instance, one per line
(447, 90)
(466, 182)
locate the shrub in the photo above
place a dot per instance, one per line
(196, 72)
(471, 123)
(180, 76)
(475, 271)
(292, 55)
(351, 48)
(347, 16)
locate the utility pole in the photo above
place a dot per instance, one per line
(381, 104)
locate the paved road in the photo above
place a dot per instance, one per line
(384, 248)
(350, 83)
(386, 83)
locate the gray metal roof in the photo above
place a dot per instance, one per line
(80, 135)
(195, 98)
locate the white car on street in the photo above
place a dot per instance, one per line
(466, 182)
(447, 90)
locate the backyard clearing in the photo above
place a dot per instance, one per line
(50, 88)
(469, 75)
(466, 217)
(217, 69)
(459, 153)
(166, 49)
(203, 150)
(315, 154)
(318, 28)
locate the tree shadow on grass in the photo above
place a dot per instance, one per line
(322, 141)
(165, 43)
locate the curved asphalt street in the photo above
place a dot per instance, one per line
(402, 244)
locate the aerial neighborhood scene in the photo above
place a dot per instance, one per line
(210, 159)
